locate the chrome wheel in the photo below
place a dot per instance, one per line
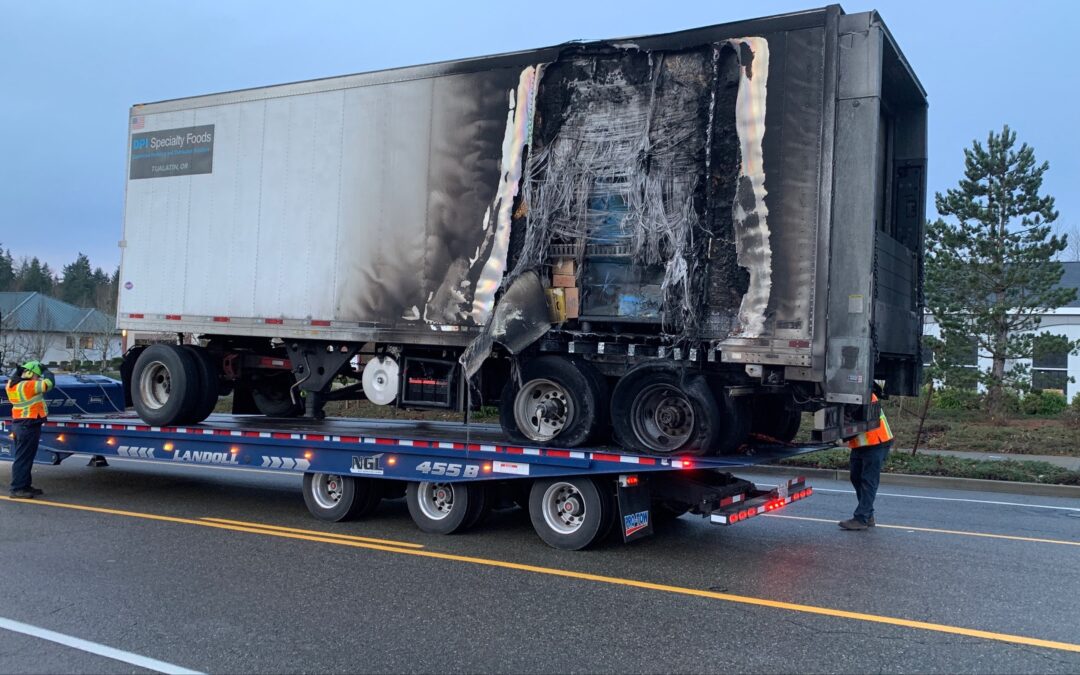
(542, 409)
(662, 417)
(326, 490)
(563, 507)
(436, 500)
(155, 385)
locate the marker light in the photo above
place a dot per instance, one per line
(168, 447)
(487, 468)
(234, 449)
(307, 455)
(111, 441)
(391, 461)
(60, 438)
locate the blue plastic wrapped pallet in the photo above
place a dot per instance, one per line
(78, 394)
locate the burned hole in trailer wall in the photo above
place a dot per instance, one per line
(632, 174)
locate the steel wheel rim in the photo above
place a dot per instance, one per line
(542, 409)
(155, 385)
(436, 500)
(662, 417)
(327, 490)
(564, 508)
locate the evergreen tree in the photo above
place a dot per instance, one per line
(992, 273)
(78, 286)
(7, 271)
(34, 276)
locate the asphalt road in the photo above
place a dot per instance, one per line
(780, 593)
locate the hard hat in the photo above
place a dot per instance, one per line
(33, 367)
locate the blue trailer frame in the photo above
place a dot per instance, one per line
(425, 453)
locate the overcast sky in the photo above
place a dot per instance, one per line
(69, 71)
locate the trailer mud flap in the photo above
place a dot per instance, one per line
(635, 516)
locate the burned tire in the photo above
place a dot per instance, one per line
(555, 403)
(775, 416)
(570, 513)
(165, 385)
(336, 498)
(601, 393)
(208, 384)
(445, 508)
(666, 411)
(273, 396)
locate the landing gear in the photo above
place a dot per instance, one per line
(335, 498)
(556, 402)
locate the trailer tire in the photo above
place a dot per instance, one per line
(601, 393)
(273, 396)
(336, 498)
(570, 513)
(565, 387)
(207, 373)
(776, 416)
(445, 508)
(165, 385)
(661, 410)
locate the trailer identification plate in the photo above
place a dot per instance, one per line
(510, 467)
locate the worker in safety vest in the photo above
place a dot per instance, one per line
(868, 452)
(26, 391)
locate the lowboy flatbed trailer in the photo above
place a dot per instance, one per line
(451, 474)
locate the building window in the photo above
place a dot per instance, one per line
(69, 342)
(86, 342)
(1050, 363)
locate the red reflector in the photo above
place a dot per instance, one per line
(632, 480)
(320, 323)
(799, 344)
(172, 317)
(276, 322)
(221, 319)
(135, 316)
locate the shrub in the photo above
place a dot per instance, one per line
(955, 398)
(1044, 403)
(1076, 401)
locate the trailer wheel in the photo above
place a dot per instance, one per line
(776, 416)
(336, 498)
(165, 385)
(445, 508)
(273, 396)
(664, 411)
(555, 402)
(570, 513)
(207, 373)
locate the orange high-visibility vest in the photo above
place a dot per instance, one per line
(883, 434)
(28, 398)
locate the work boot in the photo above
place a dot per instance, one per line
(871, 523)
(37, 491)
(22, 494)
(853, 524)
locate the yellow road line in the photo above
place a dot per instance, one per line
(965, 533)
(331, 535)
(585, 576)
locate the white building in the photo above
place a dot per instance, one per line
(35, 326)
(1049, 371)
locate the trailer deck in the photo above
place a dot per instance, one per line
(432, 455)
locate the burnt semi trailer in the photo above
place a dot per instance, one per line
(676, 239)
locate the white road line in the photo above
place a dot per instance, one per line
(956, 499)
(94, 648)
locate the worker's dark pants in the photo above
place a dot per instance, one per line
(866, 463)
(27, 435)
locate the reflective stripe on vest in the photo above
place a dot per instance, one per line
(28, 399)
(883, 433)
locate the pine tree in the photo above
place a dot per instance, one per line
(35, 276)
(991, 274)
(78, 284)
(7, 271)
